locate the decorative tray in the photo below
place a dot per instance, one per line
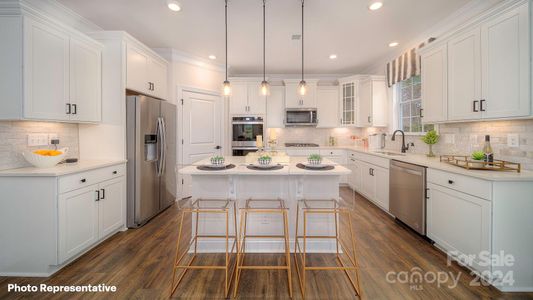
(470, 164)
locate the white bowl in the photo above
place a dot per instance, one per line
(41, 161)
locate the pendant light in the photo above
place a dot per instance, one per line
(302, 86)
(226, 85)
(265, 88)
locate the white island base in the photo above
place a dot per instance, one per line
(290, 184)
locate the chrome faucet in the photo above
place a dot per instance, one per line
(404, 147)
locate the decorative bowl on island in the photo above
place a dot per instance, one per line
(314, 159)
(45, 158)
(217, 160)
(264, 160)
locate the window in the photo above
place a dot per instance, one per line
(408, 100)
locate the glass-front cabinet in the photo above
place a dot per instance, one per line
(348, 95)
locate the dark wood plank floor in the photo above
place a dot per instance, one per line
(139, 263)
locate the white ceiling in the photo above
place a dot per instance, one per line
(347, 28)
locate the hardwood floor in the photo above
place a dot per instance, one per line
(139, 263)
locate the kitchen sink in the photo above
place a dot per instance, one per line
(390, 153)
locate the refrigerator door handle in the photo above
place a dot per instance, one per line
(163, 145)
(158, 130)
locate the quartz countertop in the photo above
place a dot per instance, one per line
(61, 169)
(432, 163)
(289, 168)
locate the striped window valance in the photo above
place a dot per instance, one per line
(405, 66)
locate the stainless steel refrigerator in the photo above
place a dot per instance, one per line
(151, 153)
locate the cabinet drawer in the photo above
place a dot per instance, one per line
(332, 152)
(371, 159)
(83, 179)
(468, 185)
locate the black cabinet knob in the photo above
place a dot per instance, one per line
(450, 181)
(83, 180)
(114, 172)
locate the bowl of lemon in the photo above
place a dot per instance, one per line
(45, 158)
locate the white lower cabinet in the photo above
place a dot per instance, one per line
(369, 179)
(459, 223)
(111, 207)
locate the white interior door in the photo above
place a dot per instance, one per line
(201, 130)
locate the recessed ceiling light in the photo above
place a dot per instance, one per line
(375, 5)
(333, 56)
(173, 5)
(393, 44)
(212, 57)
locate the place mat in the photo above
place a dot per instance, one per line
(325, 168)
(208, 168)
(276, 167)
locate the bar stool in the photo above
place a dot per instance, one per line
(198, 207)
(321, 207)
(262, 207)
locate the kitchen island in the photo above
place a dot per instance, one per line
(289, 183)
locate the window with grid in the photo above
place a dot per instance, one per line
(410, 103)
(348, 103)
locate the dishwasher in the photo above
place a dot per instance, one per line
(408, 194)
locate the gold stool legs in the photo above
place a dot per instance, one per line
(300, 254)
(241, 244)
(194, 240)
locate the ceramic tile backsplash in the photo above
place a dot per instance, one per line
(464, 138)
(14, 140)
(316, 135)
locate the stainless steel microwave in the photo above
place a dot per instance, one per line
(301, 117)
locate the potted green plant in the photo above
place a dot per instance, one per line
(314, 159)
(264, 160)
(431, 138)
(217, 160)
(478, 155)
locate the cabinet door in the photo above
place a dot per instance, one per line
(505, 64)
(364, 104)
(309, 99)
(275, 107)
(380, 103)
(78, 221)
(348, 93)
(328, 107)
(46, 72)
(292, 98)
(238, 100)
(137, 70)
(464, 76)
(340, 160)
(256, 101)
(111, 206)
(368, 181)
(157, 76)
(381, 177)
(435, 85)
(354, 179)
(85, 81)
(459, 222)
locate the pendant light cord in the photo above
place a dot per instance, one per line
(303, 40)
(226, 29)
(264, 38)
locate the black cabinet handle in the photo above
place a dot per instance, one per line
(68, 108)
(83, 180)
(114, 172)
(74, 109)
(103, 193)
(450, 181)
(97, 195)
(421, 113)
(481, 108)
(474, 109)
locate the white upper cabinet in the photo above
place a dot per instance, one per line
(61, 72)
(464, 80)
(245, 98)
(435, 85)
(146, 72)
(275, 107)
(363, 101)
(293, 99)
(364, 104)
(505, 62)
(85, 81)
(328, 106)
(348, 96)
(488, 70)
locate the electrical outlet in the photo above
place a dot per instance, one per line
(52, 136)
(513, 140)
(449, 138)
(37, 139)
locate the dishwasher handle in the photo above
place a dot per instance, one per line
(409, 171)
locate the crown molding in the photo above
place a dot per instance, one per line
(174, 55)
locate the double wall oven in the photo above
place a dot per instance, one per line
(245, 131)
